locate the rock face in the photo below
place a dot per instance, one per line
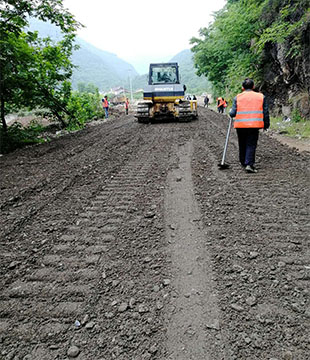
(287, 74)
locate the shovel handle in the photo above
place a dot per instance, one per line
(226, 142)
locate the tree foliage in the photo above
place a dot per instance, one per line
(238, 43)
(33, 71)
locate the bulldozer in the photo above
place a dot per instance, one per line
(164, 96)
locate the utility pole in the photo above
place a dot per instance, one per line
(130, 85)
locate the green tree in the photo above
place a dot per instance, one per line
(224, 50)
(267, 40)
(33, 71)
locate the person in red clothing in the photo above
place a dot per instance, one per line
(224, 105)
(250, 110)
(220, 105)
(126, 105)
(105, 105)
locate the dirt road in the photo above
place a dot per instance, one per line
(125, 241)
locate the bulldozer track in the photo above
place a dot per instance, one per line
(89, 253)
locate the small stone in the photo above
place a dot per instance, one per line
(54, 347)
(156, 288)
(178, 179)
(240, 254)
(85, 319)
(90, 325)
(159, 305)
(132, 302)
(13, 264)
(253, 254)
(123, 307)
(281, 264)
(153, 349)
(73, 351)
(147, 259)
(247, 340)
(237, 307)
(149, 215)
(166, 282)
(115, 283)
(251, 301)
(215, 324)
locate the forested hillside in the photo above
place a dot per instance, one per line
(268, 40)
(93, 65)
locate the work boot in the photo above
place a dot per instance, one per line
(250, 169)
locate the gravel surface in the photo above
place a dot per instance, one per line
(126, 241)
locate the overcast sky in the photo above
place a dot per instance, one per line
(140, 31)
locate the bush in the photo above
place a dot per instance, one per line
(84, 107)
(18, 137)
(296, 116)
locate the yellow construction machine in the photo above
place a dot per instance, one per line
(164, 96)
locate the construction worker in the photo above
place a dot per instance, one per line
(105, 105)
(206, 101)
(250, 110)
(220, 105)
(126, 105)
(224, 105)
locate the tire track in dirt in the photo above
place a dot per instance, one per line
(78, 285)
(195, 315)
(98, 252)
(50, 186)
(260, 249)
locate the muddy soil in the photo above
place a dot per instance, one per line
(125, 241)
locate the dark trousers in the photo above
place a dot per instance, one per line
(247, 139)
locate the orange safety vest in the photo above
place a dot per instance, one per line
(126, 104)
(249, 110)
(105, 103)
(221, 102)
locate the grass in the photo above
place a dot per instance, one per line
(289, 127)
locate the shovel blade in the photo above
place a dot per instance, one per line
(223, 166)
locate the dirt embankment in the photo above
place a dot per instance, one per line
(125, 241)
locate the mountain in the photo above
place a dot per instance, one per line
(194, 83)
(99, 67)
(106, 70)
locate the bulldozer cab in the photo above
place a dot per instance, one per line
(167, 73)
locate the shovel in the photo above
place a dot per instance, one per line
(222, 164)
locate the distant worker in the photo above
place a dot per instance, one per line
(105, 105)
(250, 110)
(224, 105)
(126, 105)
(206, 101)
(194, 97)
(220, 105)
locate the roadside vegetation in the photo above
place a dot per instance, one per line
(263, 39)
(267, 40)
(35, 73)
(295, 126)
